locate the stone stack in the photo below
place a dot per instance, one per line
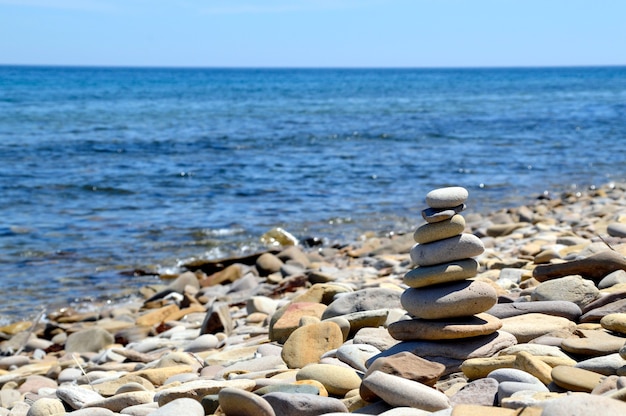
(443, 302)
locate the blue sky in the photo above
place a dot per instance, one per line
(313, 33)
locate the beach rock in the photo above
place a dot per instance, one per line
(438, 351)
(357, 320)
(449, 328)
(575, 379)
(307, 344)
(536, 350)
(605, 299)
(77, 396)
(204, 342)
(430, 232)
(614, 278)
(89, 340)
(199, 388)
(268, 263)
(570, 288)
(446, 251)
(434, 215)
(450, 300)
(606, 364)
(514, 375)
(408, 366)
(447, 197)
(288, 388)
(321, 293)
(507, 389)
(479, 392)
(46, 407)
(500, 230)
(478, 410)
(287, 319)
(534, 366)
(33, 383)
(186, 279)
(579, 404)
(594, 267)
(593, 343)
(615, 322)
(596, 314)
(564, 309)
(616, 229)
(376, 337)
(363, 300)
(178, 407)
(530, 326)
(240, 402)
(424, 276)
(217, 319)
(337, 380)
(299, 404)
(398, 391)
(356, 355)
(121, 401)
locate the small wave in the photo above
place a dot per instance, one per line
(107, 189)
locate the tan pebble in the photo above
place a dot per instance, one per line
(499, 230)
(533, 365)
(308, 320)
(430, 232)
(240, 402)
(532, 325)
(354, 403)
(307, 344)
(321, 293)
(16, 327)
(478, 410)
(546, 256)
(121, 401)
(615, 322)
(475, 368)
(180, 314)
(593, 343)
(256, 318)
(157, 376)
(441, 273)
(287, 319)
(46, 407)
(110, 388)
(337, 380)
(156, 316)
(576, 379)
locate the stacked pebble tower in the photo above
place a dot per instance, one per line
(442, 301)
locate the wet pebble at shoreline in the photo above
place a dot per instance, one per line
(518, 312)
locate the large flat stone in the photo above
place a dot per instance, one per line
(445, 251)
(465, 298)
(440, 329)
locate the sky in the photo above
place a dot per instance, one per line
(313, 33)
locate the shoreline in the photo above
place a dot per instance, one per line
(215, 328)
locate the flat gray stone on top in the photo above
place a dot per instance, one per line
(446, 197)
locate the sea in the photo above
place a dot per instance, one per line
(112, 176)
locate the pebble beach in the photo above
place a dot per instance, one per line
(521, 311)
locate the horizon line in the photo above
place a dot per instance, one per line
(287, 67)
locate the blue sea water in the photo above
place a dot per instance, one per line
(106, 170)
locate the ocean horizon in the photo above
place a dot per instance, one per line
(106, 170)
